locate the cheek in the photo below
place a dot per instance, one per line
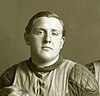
(36, 41)
(57, 43)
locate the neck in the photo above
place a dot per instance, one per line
(44, 63)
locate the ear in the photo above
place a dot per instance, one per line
(27, 38)
(62, 42)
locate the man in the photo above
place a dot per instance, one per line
(46, 73)
(94, 67)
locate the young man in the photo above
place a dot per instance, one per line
(46, 73)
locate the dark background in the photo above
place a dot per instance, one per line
(83, 36)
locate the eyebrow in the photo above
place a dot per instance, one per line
(45, 29)
(55, 30)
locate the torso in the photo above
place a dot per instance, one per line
(53, 83)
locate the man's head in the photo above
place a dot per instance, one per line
(44, 14)
(45, 35)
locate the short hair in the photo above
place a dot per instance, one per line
(44, 14)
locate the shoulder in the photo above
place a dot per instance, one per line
(83, 78)
(7, 77)
(90, 66)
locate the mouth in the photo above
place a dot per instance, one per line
(47, 48)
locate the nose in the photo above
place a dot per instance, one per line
(47, 38)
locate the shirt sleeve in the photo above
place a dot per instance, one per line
(82, 82)
(7, 78)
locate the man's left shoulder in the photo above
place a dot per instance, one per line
(83, 78)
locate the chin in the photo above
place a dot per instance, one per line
(47, 57)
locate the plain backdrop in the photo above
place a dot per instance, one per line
(83, 32)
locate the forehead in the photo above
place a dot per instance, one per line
(47, 22)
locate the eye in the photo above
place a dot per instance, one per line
(38, 32)
(55, 33)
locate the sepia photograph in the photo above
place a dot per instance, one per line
(49, 48)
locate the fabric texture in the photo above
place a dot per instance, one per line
(80, 79)
(94, 67)
(50, 83)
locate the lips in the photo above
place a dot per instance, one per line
(47, 47)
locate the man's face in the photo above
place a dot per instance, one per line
(45, 38)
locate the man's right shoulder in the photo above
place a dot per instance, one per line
(6, 79)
